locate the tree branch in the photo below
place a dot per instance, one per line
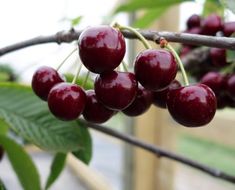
(71, 35)
(159, 152)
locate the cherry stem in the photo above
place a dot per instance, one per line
(77, 74)
(124, 66)
(65, 59)
(86, 78)
(169, 47)
(136, 32)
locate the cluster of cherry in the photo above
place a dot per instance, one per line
(215, 71)
(102, 50)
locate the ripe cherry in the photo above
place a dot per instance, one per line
(43, 80)
(214, 80)
(66, 101)
(101, 48)
(229, 28)
(141, 104)
(230, 86)
(94, 111)
(160, 97)
(192, 106)
(116, 90)
(155, 69)
(218, 57)
(193, 21)
(212, 24)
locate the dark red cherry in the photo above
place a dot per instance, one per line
(193, 21)
(229, 28)
(159, 97)
(116, 90)
(66, 101)
(214, 80)
(101, 48)
(230, 86)
(1, 152)
(212, 24)
(218, 57)
(185, 50)
(43, 80)
(141, 104)
(94, 111)
(155, 69)
(192, 106)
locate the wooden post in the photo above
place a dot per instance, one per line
(149, 172)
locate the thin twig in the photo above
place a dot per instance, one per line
(159, 152)
(71, 35)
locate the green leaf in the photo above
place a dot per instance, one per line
(230, 56)
(75, 21)
(2, 186)
(84, 154)
(149, 17)
(57, 167)
(3, 127)
(22, 164)
(89, 84)
(229, 4)
(135, 5)
(213, 6)
(30, 118)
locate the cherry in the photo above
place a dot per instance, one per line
(94, 111)
(229, 28)
(218, 57)
(116, 90)
(195, 30)
(185, 50)
(66, 101)
(1, 152)
(193, 21)
(101, 48)
(43, 80)
(192, 106)
(141, 103)
(230, 86)
(155, 69)
(159, 97)
(212, 24)
(214, 80)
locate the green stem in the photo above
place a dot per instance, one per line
(169, 47)
(229, 69)
(137, 33)
(77, 74)
(85, 80)
(124, 66)
(65, 59)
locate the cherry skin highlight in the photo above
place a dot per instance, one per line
(66, 101)
(116, 90)
(43, 80)
(155, 69)
(192, 106)
(94, 111)
(141, 104)
(101, 48)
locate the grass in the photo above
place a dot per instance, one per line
(210, 153)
